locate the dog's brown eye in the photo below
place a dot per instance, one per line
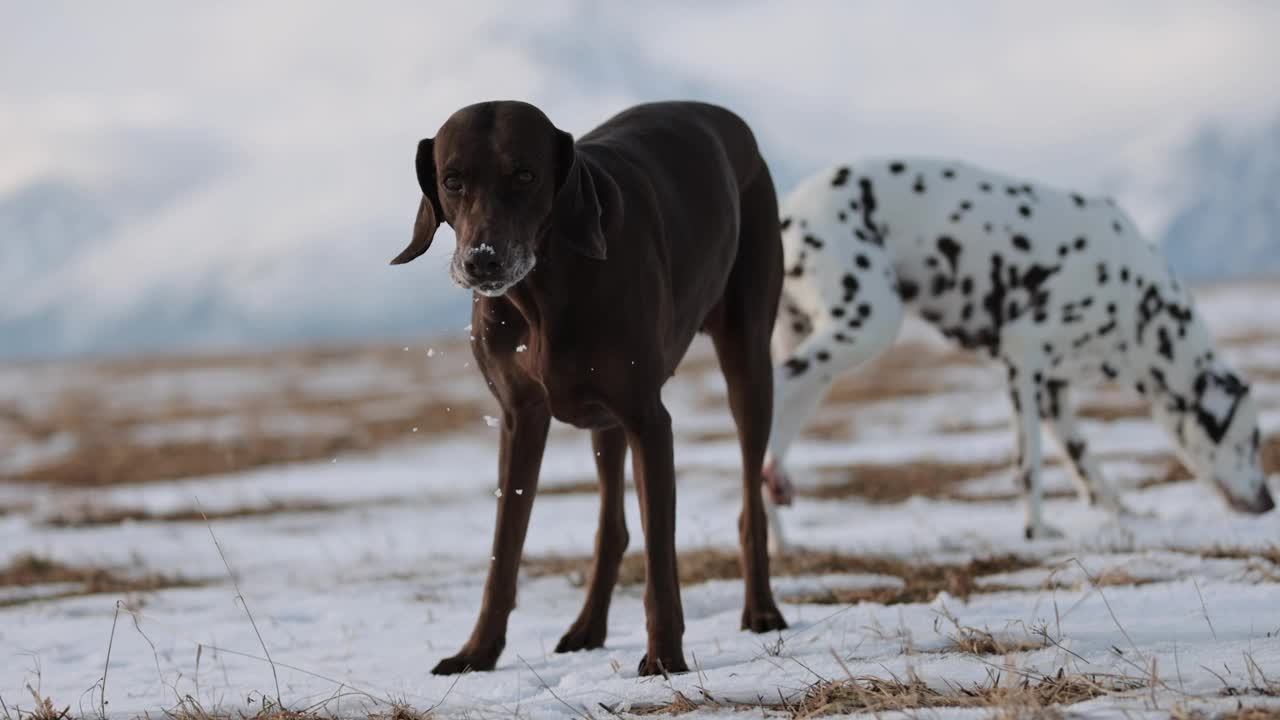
(524, 177)
(452, 183)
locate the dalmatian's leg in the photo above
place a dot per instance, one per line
(851, 332)
(1058, 413)
(791, 328)
(1026, 383)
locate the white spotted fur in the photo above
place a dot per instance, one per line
(830, 206)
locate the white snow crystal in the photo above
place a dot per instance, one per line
(497, 493)
(491, 421)
(431, 352)
(521, 347)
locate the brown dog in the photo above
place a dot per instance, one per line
(594, 265)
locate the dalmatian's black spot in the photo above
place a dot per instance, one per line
(853, 205)
(1117, 227)
(1021, 242)
(984, 186)
(1152, 304)
(941, 283)
(796, 367)
(1080, 243)
(1011, 191)
(1078, 199)
(862, 261)
(813, 242)
(1111, 308)
(1063, 250)
(919, 184)
(948, 173)
(986, 227)
(1124, 275)
(786, 223)
(1087, 301)
(931, 316)
(850, 285)
(1037, 274)
(966, 206)
(1165, 347)
(966, 285)
(864, 310)
(966, 312)
(897, 167)
(841, 337)
(1109, 371)
(854, 323)
(1141, 387)
(842, 216)
(837, 311)
(868, 208)
(1107, 329)
(798, 327)
(1040, 317)
(907, 290)
(1014, 311)
(841, 177)
(1102, 273)
(1024, 211)
(1076, 448)
(1082, 341)
(950, 249)
(822, 355)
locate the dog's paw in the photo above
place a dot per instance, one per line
(668, 666)
(1043, 532)
(763, 619)
(581, 637)
(464, 662)
(777, 483)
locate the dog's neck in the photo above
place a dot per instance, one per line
(543, 296)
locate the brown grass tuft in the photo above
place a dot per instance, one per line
(90, 516)
(922, 581)
(29, 570)
(898, 482)
(1021, 699)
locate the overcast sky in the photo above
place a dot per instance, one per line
(242, 135)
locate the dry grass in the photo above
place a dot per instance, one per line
(1026, 697)
(1031, 696)
(922, 581)
(29, 570)
(91, 516)
(896, 483)
(105, 426)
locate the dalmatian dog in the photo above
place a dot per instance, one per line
(1058, 286)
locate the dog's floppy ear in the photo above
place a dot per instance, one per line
(429, 212)
(577, 212)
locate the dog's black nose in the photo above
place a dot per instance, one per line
(484, 267)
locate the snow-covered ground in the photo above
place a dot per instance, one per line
(379, 572)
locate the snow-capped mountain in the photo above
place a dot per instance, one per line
(1229, 224)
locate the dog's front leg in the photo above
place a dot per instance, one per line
(524, 435)
(649, 435)
(589, 630)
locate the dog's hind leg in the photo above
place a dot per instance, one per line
(589, 630)
(740, 328)
(1059, 415)
(1026, 391)
(861, 321)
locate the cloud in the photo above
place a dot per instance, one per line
(261, 153)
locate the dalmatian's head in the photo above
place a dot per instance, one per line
(1219, 434)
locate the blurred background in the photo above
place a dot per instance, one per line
(237, 175)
